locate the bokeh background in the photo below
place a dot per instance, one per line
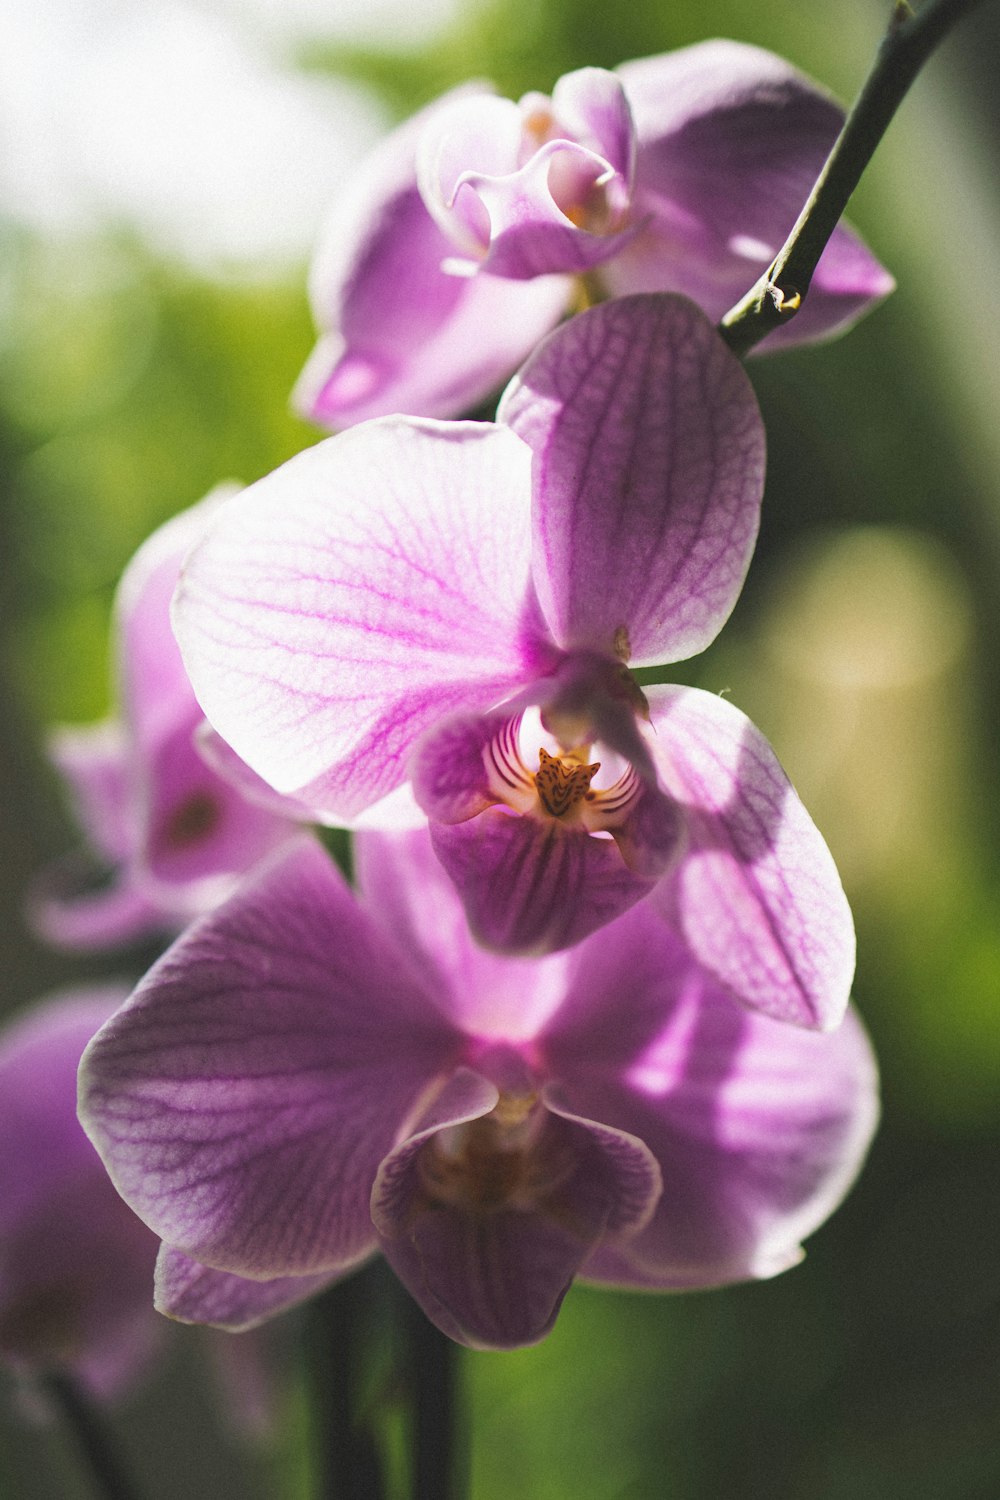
(164, 167)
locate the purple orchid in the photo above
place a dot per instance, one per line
(456, 604)
(461, 241)
(175, 830)
(75, 1262)
(307, 1077)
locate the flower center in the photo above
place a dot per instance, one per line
(501, 1161)
(561, 787)
(561, 784)
(191, 821)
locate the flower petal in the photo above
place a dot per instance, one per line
(244, 1097)
(554, 214)
(731, 140)
(193, 1293)
(75, 1262)
(400, 333)
(405, 887)
(477, 132)
(93, 761)
(757, 895)
(591, 106)
(153, 686)
(350, 599)
(759, 1128)
(522, 202)
(65, 909)
(648, 475)
(530, 886)
(65, 906)
(198, 831)
(448, 771)
(494, 1277)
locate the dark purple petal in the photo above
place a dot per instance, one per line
(448, 771)
(531, 886)
(759, 1128)
(492, 1273)
(652, 837)
(345, 603)
(648, 474)
(730, 142)
(757, 895)
(244, 1097)
(75, 1263)
(193, 1293)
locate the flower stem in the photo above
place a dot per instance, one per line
(433, 1387)
(780, 292)
(111, 1482)
(346, 1459)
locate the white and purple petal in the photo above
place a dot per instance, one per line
(399, 333)
(591, 106)
(552, 215)
(516, 188)
(648, 475)
(352, 598)
(759, 1128)
(757, 895)
(489, 997)
(153, 688)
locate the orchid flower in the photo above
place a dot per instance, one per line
(174, 831)
(307, 1077)
(463, 239)
(458, 604)
(75, 1262)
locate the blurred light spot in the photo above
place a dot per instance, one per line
(878, 607)
(864, 695)
(166, 118)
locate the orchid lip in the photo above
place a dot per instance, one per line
(561, 788)
(500, 1161)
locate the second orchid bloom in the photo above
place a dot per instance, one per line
(464, 238)
(459, 605)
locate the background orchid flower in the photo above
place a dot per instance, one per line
(307, 1077)
(175, 830)
(457, 603)
(461, 240)
(75, 1262)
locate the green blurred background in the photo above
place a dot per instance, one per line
(866, 645)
